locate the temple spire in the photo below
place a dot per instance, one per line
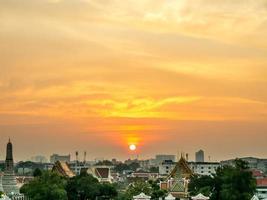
(9, 156)
(9, 179)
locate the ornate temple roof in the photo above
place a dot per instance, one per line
(63, 169)
(181, 169)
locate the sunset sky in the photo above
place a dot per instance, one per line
(165, 75)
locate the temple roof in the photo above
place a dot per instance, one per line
(102, 172)
(181, 169)
(63, 169)
(142, 196)
(200, 197)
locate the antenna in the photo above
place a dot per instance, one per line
(77, 156)
(84, 157)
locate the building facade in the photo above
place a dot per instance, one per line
(204, 168)
(166, 167)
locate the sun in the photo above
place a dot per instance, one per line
(132, 147)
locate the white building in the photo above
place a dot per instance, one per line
(201, 168)
(166, 167)
(204, 168)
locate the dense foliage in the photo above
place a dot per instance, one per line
(85, 186)
(51, 186)
(122, 166)
(46, 187)
(105, 162)
(229, 183)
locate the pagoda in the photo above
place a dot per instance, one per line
(9, 180)
(177, 181)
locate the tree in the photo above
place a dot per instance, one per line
(154, 169)
(134, 166)
(156, 191)
(107, 191)
(85, 187)
(46, 187)
(37, 172)
(104, 162)
(121, 167)
(82, 187)
(237, 182)
(201, 184)
(150, 188)
(229, 183)
(138, 187)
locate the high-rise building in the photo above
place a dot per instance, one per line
(200, 156)
(9, 180)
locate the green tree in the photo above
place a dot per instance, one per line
(37, 172)
(82, 187)
(154, 170)
(107, 191)
(121, 167)
(134, 166)
(85, 187)
(201, 184)
(104, 162)
(237, 182)
(150, 188)
(46, 187)
(156, 191)
(138, 187)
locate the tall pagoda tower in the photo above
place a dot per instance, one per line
(9, 180)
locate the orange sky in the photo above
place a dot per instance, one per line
(167, 75)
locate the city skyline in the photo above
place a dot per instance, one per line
(166, 76)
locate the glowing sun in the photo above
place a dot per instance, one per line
(132, 147)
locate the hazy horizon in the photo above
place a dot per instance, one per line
(167, 76)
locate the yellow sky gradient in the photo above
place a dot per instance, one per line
(85, 73)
